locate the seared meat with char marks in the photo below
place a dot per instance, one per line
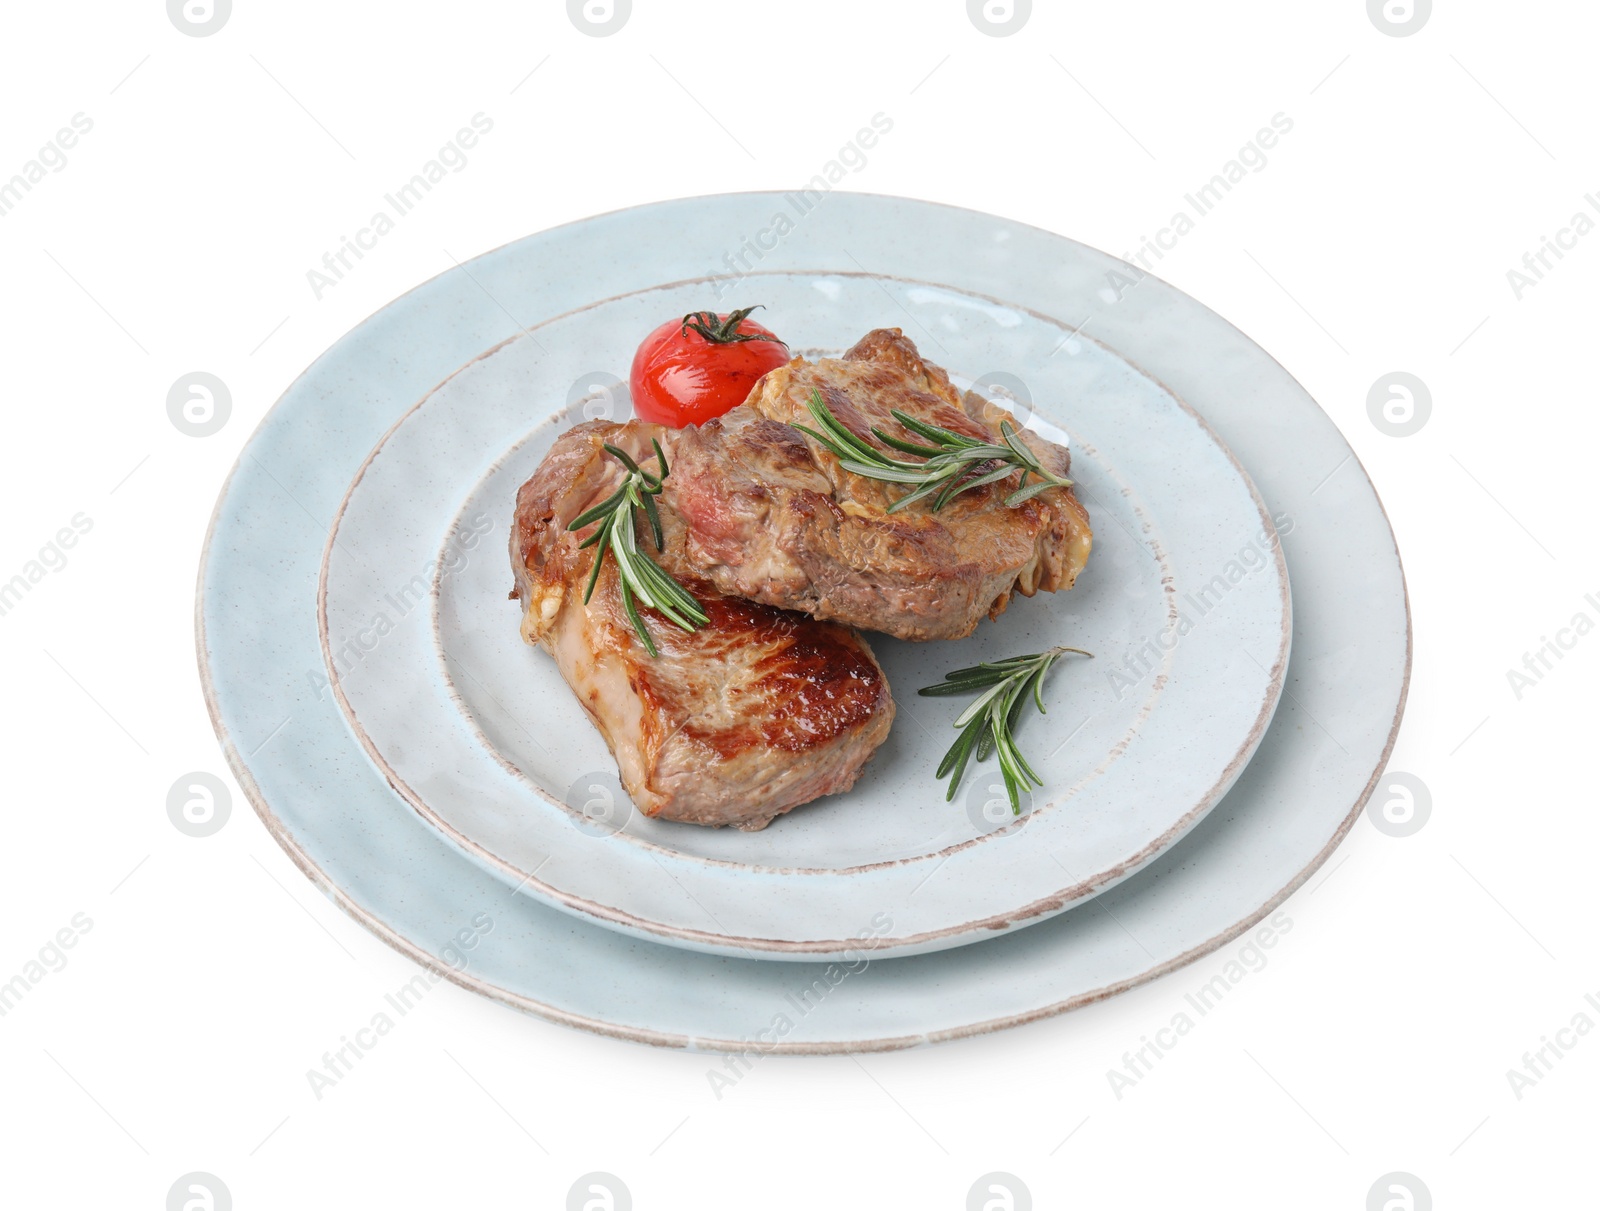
(752, 715)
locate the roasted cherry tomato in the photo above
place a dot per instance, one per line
(692, 369)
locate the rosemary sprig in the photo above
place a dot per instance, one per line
(954, 463)
(989, 723)
(639, 575)
(723, 331)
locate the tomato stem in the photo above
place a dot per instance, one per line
(719, 331)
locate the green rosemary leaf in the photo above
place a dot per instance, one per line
(1011, 793)
(955, 761)
(990, 477)
(950, 689)
(878, 471)
(953, 754)
(952, 463)
(933, 433)
(1027, 457)
(1006, 743)
(601, 536)
(985, 673)
(1032, 490)
(623, 457)
(966, 485)
(911, 498)
(982, 704)
(981, 452)
(841, 433)
(648, 500)
(1012, 662)
(1038, 686)
(624, 550)
(1017, 698)
(638, 623)
(909, 447)
(946, 494)
(823, 440)
(1006, 754)
(640, 579)
(670, 598)
(600, 510)
(985, 739)
(989, 723)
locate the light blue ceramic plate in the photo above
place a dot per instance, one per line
(1185, 604)
(334, 812)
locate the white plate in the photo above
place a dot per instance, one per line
(1185, 603)
(373, 855)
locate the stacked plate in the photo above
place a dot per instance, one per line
(440, 782)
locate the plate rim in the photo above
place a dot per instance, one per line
(369, 920)
(1074, 893)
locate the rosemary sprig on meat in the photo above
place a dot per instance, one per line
(954, 463)
(639, 576)
(724, 331)
(989, 724)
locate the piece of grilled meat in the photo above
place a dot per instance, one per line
(752, 715)
(771, 516)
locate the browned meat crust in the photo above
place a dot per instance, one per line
(770, 515)
(737, 723)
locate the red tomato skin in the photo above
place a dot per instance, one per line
(679, 378)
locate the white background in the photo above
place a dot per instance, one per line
(178, 237)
